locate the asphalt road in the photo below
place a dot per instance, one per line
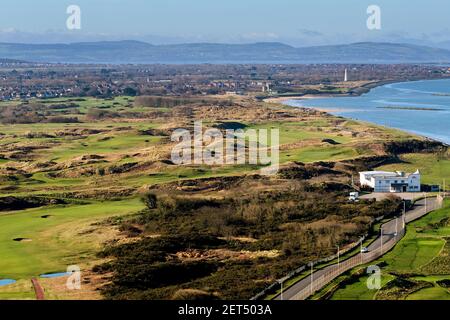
(390, 228)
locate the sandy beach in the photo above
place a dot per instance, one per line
(283, 100)
(305, 97)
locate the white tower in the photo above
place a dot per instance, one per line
(346, 75)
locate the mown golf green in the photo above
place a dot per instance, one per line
(54, 237)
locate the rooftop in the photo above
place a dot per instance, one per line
(386, 174)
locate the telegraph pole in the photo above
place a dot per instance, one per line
(312, 276)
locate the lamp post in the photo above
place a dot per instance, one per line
(338, 256)
(404, 214)
(281, 282)
(381, 239)
(443, 189)
(281, 290)
(362, 250)
(396, 226)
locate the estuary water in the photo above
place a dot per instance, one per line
(420, 107)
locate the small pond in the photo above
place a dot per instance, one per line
(55, 275)
(5, 282)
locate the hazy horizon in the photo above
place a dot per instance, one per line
(296, 23)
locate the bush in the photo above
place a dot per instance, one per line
(150, 200)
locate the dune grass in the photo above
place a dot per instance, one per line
(21, 290)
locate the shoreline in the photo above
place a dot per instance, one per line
(360, 91)
(357, 92)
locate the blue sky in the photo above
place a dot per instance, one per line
(297, 22)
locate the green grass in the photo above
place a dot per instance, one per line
(319, 153)
(103, 144)
(359, 290)
(20, 129)
(434, 168)
(292, 132)
(435, 293)
(413, 253)
(56, 242)
(421, 244)
(88, 102)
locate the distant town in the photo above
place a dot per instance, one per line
(23, 80)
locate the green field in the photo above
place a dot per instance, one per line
(435, 293)
(56, 241)
(323, 153)
(434, 168)
(359, 290)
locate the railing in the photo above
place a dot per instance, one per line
(301, 269)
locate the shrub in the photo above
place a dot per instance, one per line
(150, 200)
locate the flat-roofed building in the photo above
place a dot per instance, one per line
(394, 182)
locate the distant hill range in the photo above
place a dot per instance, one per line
(12, 62)
(141, 52)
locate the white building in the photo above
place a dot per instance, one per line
(382, 181)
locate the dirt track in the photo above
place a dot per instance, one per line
(38, 289)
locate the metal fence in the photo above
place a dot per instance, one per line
(298, 271)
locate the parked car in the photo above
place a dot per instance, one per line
(354, 196)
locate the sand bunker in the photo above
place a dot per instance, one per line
(22, 240)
